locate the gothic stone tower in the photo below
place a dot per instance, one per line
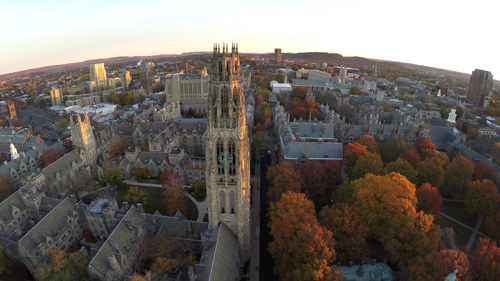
(83, 139)
(227, 151)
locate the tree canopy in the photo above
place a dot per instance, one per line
(482, 198)
(282, 178)
(457, 177)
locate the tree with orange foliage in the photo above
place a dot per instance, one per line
(302, 249)
(175, 200)
(492, 226)
(119, 147)
(483, 170)
(49, 157)
(436, 265)
(387, 205)
(486, 260)
(429, 200)
(282, 178)
(482, 198)
(169, 179)
(320, 179)
(426, 148)
(412, 157)
(370, 143)
(457, 177)
(348, 231)
(430, 171)
(352, 152)
(303, 109)
(299, 93)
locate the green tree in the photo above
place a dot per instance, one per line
(404, 168)
(457, 177)
(130, 98)
(7, 186)
(61, 267)
(430, 171)
(392, 148)
(368, 163)
(141, 173)
(62, 124)
(136, 195)
(112, 97)
(113, 175)
(198, 190)
(3, 261)
(482, 198)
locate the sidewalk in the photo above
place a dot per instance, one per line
(255, 225)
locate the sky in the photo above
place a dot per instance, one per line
(456, 35)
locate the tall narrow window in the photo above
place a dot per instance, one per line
(225, 101)
(219, 157)
(232, 202)
(222, 200)
(232, 157)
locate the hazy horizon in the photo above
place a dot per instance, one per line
(442, 34)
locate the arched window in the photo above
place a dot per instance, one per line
(232, 202)
(232, 152)
(222, 201)
(224, 102)
(220, 149)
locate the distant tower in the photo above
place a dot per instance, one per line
(125, 79)
(146, 79)
(343, 74)
(13, 152)
(83, 138)
(374, 77)
(227, 150)
(187, 68)
(98, 75)
(480, 85)
(55, 96)
(12, 109)
(277, 56)
(452, 116)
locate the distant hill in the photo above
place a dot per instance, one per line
(331, 58)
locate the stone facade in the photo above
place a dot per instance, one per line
(83, 138)
(227, 152)
(190, 90)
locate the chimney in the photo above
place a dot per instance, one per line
(191, 274)
(139, 208)
(125, 205)
(323, 130)
(314, 128)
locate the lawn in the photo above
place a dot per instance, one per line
(457, 211)
(156, 201)
(462, 234)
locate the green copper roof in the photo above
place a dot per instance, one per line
(371, 272)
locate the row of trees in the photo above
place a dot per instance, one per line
(381, 202)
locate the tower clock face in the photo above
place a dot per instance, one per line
(225, 158)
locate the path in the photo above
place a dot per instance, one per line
(201, 206)
(475, 230)
(474, 234)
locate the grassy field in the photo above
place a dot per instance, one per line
(155, 201)
(457, 211)
(462, 234)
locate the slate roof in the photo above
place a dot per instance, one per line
(120, 242)
(46, 226)
(222, 260)
(61, 165)
(308, 82)
(443, 135)
(372, 272)
(155, 156)
(306, 129)
(14, 164)
(314, 151)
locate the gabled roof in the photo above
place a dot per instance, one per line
(222, 260)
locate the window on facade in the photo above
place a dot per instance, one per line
(220, 149)
(232, 201)
(232, 152)
(222, 200)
